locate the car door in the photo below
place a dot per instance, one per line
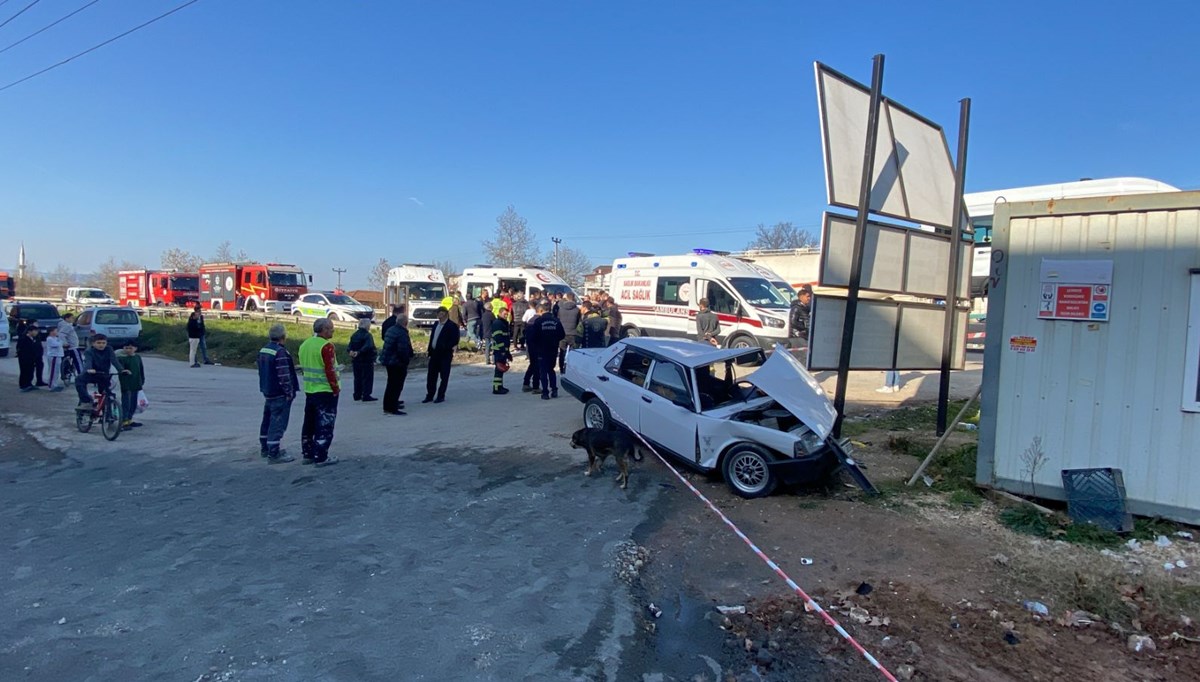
(620, 385)
(667, 411)
(308, 306)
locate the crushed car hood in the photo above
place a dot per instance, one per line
(784, 379)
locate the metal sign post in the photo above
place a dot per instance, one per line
(960, 178)
(860, 232)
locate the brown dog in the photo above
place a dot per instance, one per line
(602, 443)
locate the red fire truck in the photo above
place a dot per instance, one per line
(142, 288)
(8, 287)
(269, 287)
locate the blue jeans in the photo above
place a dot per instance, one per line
(473, 330)
(276, 412)
(128, 405)
(203, 351)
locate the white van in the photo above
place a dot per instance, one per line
(420, 287)
(658, 295)
(119, 323)
(89, 296)
(530, 279)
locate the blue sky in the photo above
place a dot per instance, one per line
(333, 133)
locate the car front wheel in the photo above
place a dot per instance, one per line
(596, 414)
(747, 472)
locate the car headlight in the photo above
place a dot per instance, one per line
(772, 321)
(808, 444)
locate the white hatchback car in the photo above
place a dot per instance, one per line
(332, 305)
(119, 323)
(757, 421)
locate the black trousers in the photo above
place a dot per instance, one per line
(546, 372)
(364, 379)
(438, 367)
(316, 433)
(533, 376)
(27, 367)
(396, 374)
(569, 341)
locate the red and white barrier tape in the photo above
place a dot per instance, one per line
(808, 601)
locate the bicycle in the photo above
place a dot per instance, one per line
(69, 367)
(106, 407)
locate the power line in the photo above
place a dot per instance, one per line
(97, 47)
(19, 13)
(46, 27)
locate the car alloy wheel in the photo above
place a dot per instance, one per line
(747, 472)
(596, 414)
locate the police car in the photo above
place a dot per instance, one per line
(333, 305)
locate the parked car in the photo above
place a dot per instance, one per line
(333, 305)
(120, 324)
(45, 314)
(89, 296)
(756, 421)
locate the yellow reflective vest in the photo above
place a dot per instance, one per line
(313, 366)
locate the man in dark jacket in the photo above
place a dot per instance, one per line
(568, 316)
(471, 312)
(544, 336)
(593, 329)
(279, 385)
(196, 330)
(501, 337)
(485, 328)
(397, 312)
(362, 358)
(708, 325)
(443, 341)
(800, 313)
(613, 314)
(520, 306)
(397, 353)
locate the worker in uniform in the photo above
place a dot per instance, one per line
(501, 337)
(593, 328)
(544, 336)
(318, 364)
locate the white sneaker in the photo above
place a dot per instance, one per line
(884, 389)
(895, 389)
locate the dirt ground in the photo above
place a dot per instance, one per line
(932, 588)
(453, 544)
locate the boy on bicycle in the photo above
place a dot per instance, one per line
(98, 362)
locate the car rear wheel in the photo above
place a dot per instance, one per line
(747, 472)
(596, 414)
(632, 332)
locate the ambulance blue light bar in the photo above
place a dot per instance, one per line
(709, 252)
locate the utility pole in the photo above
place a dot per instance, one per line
(339, 272)
(556, 241)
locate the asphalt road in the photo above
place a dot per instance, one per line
(458, 542)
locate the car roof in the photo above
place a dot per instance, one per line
(688, 353)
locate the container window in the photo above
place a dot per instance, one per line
(1191, 372)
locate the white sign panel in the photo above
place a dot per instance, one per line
(887, 335)
(913, 178)
(896, 260)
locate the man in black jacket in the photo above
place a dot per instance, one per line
(362, 358)
(593, 328)
(29, 352)
(443, 341)
(568, 316)
(395, 356)
(544, 336)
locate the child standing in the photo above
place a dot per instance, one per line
(29, 354)
(133, 378)
(54, 354)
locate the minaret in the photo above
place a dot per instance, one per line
(21, 263)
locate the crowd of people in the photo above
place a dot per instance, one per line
(93, 366)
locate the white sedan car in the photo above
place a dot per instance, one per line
(757, 421)
(332, 305)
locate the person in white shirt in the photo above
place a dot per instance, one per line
(54, 355)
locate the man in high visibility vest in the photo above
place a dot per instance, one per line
(318, 363)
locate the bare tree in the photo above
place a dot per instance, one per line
(572, 266)
(62, 276)
(178, 259)
(514, 244)
(225, 253)
(105, 276)
(33, 283)
(377, 278)
(781, 236)
(447, 268)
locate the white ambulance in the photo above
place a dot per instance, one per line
(420, 287)
(657, 296)
(530, 279)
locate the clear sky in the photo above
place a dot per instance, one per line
(332, 133)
